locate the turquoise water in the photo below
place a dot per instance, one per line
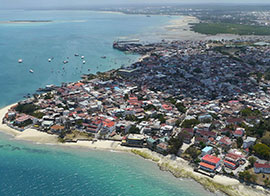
(28, 169)
(90, 34)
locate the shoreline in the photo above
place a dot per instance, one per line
(177, 166)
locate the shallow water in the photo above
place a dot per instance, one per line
(31, 169)
(90, 34)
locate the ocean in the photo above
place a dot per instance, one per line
(90, 34)
(34, 169)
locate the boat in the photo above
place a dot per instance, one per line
(49, 60)
(65, 62)
(84, 62)
(82, 57)
(103, 57)
(20, 61)
(76, 54)
(31, 71)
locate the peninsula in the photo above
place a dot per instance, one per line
(197, 108)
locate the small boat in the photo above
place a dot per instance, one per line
(20, 61)
(49, 60)
(84, 62)
(76, 54)
(65, 62)
(103, 57)
(82, 57)
(31, 71)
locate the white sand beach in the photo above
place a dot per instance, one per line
(27, 135)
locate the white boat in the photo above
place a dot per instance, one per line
(82, 57)
(84, 62)
(65, 62)
(20, 61)
(76, 54)
(49, 60)
(31, 71)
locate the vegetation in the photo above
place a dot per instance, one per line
(38, 115)
(26, 108)
(259, 129)
(126, 97)
(247, 176)
(160, 117)
(134, 130)
(74, 135)
(149, 107)
(144, 155)
(262, 150)
(190, 123)
(239, 142)
(250, 112)
(252, 160)
(174, 145)
(48, 96)
(228, 28)
(197, 70)
(131, 118)
(266, 140)
(180, 107)
(193, 152)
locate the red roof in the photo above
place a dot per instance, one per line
(238, 132)
(261, 165)
(230, 163)
(166, 107)
(108, 123)
(212, 167)
(211, 159)
(225, 140)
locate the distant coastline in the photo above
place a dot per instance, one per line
(26, 21)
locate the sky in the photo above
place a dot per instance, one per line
(7, 4)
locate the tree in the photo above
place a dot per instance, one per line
(126, 97)
(174, 145)
(149, 107)
(239, 142)
(249, 112)
(180, 107)
(266, 140)
(190, 123)
(262, 150)
(197, 70)
(134, 130)
(252, 160)
(193, 152)
(245, 175)
(26, 108)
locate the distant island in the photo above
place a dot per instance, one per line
(27, 21)
(230, 19)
